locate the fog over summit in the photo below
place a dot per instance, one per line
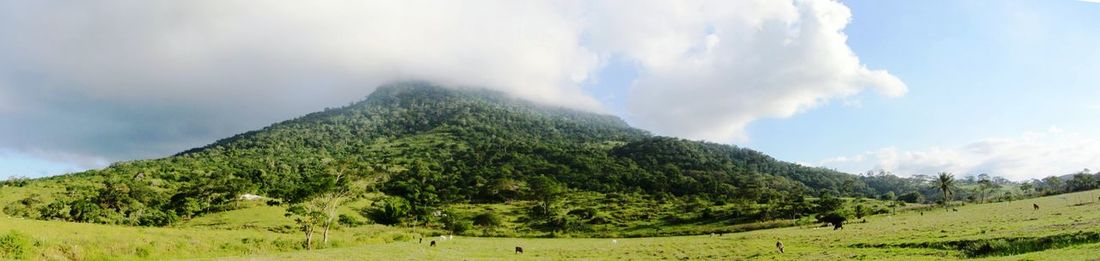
(91, 83)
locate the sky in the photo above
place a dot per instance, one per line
(1007, 88)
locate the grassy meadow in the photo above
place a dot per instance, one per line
(1066, 227)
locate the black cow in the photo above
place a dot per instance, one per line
(519, 250)
(432, 243)
(1035, 206)
(779, 245)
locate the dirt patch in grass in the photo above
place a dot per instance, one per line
(1003, 246)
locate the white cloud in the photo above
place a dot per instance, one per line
(121, 79)
(124, 79)
(712, 67)
(1031, 155)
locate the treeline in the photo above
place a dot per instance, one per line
(976, 188)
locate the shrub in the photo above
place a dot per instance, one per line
(390, 211)
(16, 245)
(487, 219)
(460, 227)
(349, 221)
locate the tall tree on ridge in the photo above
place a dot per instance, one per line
(945, 182)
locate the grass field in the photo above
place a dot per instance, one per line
(1066, 227)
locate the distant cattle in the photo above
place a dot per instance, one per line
(519, 250)
(833, 219)
(432, 243)
(1035, 206)
(955, 209)
(779, 245)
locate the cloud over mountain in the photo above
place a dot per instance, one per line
(113, 80)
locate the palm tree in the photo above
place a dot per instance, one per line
(945, 182)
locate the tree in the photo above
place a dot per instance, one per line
(547, 192)
(1026, 187)
(350, 185)
(308, 216)
(828, 203)
(318, 201)
(945, 182)
(985, 185)
(1081, 182)
(1052, 185)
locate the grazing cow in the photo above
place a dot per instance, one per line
(450, 237)
(442, 238)
(614, 241)
(1035, 206)
(421, 241)
(519, 250)
(779, 245)
(432, 243)
(955, 209)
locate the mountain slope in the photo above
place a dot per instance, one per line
(437, 146)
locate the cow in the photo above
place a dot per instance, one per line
(432, 243)
(1035, 206)
(779, 245)
(519, 250)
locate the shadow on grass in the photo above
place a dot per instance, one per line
(1004, 246)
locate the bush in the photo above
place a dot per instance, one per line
(460, 227)
(15, 181)
(16, 245)
(349, 221)
(487, 220)
(390, 211)
(912, 197)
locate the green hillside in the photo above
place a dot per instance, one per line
(428, 147)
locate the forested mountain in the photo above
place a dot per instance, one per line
(436, 146)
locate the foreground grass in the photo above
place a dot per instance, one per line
(1058, 215)
(909, 235)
